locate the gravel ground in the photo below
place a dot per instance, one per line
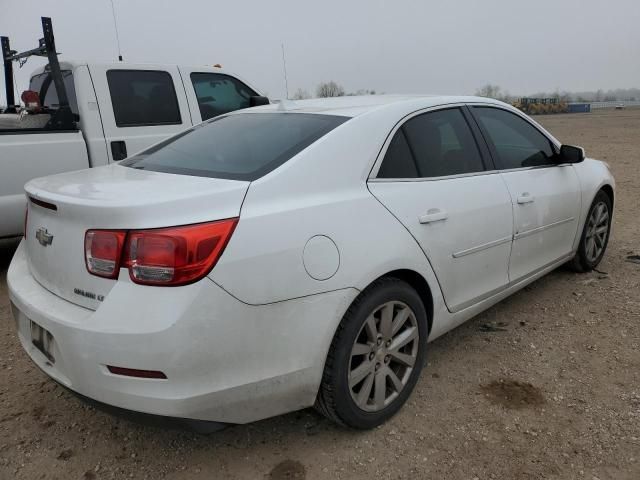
(544, 385)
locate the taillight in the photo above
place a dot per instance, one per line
(164, 256)
(102, 251)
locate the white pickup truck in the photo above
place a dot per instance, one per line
(118, 109)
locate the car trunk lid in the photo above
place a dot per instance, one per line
(63, 207)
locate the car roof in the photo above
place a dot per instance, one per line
(353, 106)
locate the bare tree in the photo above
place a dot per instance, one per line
(489, 91)
(301, 94)
(329, 89)
(362, 91)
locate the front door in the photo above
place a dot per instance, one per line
(545, 195)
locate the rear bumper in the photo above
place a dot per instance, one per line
(225, 361)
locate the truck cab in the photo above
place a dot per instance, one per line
(117, 110)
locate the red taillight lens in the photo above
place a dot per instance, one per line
(102, 251)
(164, 256)
(177, 255)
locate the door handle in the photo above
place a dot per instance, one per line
(526, 197)
(433, 215)
(118, 150)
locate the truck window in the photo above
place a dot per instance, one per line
(218, 93)
(143, 98)
(43, 85)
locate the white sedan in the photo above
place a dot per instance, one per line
(296, 255)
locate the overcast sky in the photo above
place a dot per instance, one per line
(400, 46)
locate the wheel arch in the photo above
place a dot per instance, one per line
(419, 284)
(608, 189)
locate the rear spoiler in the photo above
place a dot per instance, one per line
(63, 118)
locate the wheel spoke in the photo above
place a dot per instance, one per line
(403, 338)
(403, 358)
(397, 383)
(365, 390)
(601, 230)
(399, 320)
(359, 373)
(380, 392)
(360, 349)
(386, 320)
(603, 219)
(589, 247)
(598, 241)
(371, 328)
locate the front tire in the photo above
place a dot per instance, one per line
(376, 356)
(595, 235)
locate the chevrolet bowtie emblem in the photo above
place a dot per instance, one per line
(44, 237)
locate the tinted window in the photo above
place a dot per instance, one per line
(218, 94)
(516, 142)
(239, 147)
(43, 84)
(442, 144)
(398, 161)
(143, 98)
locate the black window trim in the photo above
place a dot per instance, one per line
(244, 177)
(485, 156)
(491, 147)
(157, 124)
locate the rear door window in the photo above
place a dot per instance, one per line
(398, 161)
(515, 141)
(242, 146)
(143, 98)
(440, 144)
(218, 94)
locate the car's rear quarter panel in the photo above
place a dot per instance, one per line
(323, 191)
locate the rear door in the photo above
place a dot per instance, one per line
(544, 194)
(434, 177)
(211, 93)
(139, 105)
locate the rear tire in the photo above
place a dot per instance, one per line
(375, 357)
(595, 235)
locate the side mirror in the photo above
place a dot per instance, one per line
(571, 154)
(257, 100)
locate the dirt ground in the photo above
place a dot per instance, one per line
(544, 385)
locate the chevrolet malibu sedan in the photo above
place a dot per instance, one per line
(303, 254)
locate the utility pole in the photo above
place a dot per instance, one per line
(284, 67)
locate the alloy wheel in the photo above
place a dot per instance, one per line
(383, 356)
(597, 230)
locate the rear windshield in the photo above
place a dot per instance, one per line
(237, 147)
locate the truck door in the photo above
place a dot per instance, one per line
(140, 105)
